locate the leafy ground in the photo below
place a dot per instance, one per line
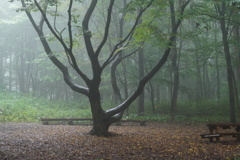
(33, 141)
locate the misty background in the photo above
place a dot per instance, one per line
(33, 88)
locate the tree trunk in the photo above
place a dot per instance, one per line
(100, 123)
(175, 84)
(21, 74)
(10, 70)
(230, 76)
(174, 92)
(237, 55)
(140, 76)
(151, 95)
(236, 45)
(1, 73)
(199, 79)
(206, 82)
(217, 67)
(125, 83)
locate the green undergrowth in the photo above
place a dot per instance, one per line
(15, 107)
(179, 118)
(205, 111)
(21, 108)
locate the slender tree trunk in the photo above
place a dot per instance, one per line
(217, 67)
(21, 74)
(237, 55)
(230, 80)
(236, 48)
(140, 110)
(199, 78)
(175, 84)
(10, 71)
(151, 95)
(140, 76)
(230, 76)
(125, 82)
(174, 67)
(1, 72)
(206, 82)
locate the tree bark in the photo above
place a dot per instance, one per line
(221, 11)
(217, 67)
(174, 66)
(140, 110)
(10, 71)
(1, 73)
(21, 73)
(175, 84)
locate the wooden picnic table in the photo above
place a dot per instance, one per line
(217, 130)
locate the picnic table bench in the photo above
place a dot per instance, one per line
(70, 121)
(217, 130)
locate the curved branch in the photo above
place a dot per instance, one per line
(55, 19)
(106, 27)
(54, 60)
(68, 51)
(86, 33)
(70, 25)
(50, 26)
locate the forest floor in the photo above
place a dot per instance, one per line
(33, 141)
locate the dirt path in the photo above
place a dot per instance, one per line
(31, 141)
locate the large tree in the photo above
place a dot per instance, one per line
(102, 119)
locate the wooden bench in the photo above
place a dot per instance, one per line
(141, 122)
(218, 130)
(210, 135)
(217, 136)
(70, 121)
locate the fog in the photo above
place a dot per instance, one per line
(194, 74)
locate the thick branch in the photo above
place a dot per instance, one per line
(86, 33)
(87, 38)
(68, 51)
(42, 19)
